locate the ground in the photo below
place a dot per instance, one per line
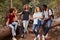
(54, 34)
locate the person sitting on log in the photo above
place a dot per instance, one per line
(12, 21)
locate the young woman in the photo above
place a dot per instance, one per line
(25, 14)
(37, 16)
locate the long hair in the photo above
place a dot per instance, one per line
(24, 7)
(36, 9)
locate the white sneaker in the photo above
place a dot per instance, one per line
(35, 38)
(38, 37)
(35, 30)
(14, 38)
(46, 35)
(14, 34)
(43, 37)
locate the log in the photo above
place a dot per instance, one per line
(5, 31)
(56, 22)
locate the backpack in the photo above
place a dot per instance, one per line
(52, 16)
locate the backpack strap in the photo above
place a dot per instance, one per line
(43, 14)
(48, 12)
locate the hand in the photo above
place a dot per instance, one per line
(7, 23)
(45, 19)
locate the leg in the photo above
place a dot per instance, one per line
(48, 27)
(33, 28)
(16, 24)
(13, 31)
(43, 26)
(26, 26)
(36, 31)
(44, 29)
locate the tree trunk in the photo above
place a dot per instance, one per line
(4, 32)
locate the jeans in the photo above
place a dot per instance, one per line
(46, 26)
(13, 27)
(25, 25)
(36, 28)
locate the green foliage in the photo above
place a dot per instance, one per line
(18, 4)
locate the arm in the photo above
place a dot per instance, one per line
(20, 13)
(7, 22)
(34, 16)
(50, 13)
(29, 17)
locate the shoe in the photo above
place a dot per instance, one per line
(14, 34)
(35, 30)
(14, 38)
(38, 37)
(22, 36)
(43, 37)
(35, 38)
(46, 35)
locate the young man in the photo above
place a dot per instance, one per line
(47, 21)
(11, 22)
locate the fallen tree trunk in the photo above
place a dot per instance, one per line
(7, 31)
(4, 32)
(56, 22)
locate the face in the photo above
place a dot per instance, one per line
(15, 12)
(25, 7)
(44, 8)
(38, 9)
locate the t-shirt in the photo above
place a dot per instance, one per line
(10, 17)
(47, 13)
(25, 15)
(39, 16)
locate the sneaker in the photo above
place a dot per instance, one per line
(46, 35)
(35, 30)
(14, 34)
(14, 38)
(43, 37)
(35, 38)
(38, 37)
(22, 36)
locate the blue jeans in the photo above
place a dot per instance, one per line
(13, 28)
(25, 25)
(36, 28)
(46, 26)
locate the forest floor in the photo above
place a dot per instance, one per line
(54, 34)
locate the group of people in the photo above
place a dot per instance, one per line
(40, 19)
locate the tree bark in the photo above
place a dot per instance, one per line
(4, 32)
